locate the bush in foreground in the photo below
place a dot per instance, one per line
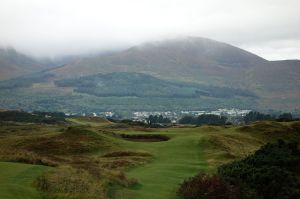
(204, 186)
(272, 172)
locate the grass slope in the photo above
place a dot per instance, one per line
(17, 179)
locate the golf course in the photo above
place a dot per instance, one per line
(124, 161)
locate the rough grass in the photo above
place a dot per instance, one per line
(23, 156)
(266, 127)
(67, 182)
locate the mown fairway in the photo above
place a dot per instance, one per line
(17, 180)
(174, 160)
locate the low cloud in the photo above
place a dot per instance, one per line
(52, 28)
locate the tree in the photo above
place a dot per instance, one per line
(285, 117)
(257, 116)
(157, 119)
(188, 119)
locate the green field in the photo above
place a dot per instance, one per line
(123, 168)
(17, 180)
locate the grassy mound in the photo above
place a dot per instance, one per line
(266, 127)
(74, 140)
(234, 146)
(295, 126)
(23, 156)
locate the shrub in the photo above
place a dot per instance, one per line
(269, 173)
(203, 186)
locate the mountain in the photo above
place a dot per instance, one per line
(187, 73)
(187, 59)
(203, 61)
(191, 59)
(14, 64)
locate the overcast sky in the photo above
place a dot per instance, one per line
(269, 28)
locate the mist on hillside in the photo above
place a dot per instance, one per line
(63, 28)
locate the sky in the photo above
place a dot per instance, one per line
(53, 28)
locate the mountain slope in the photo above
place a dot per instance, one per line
(145, 86)
(14, 64)
(188, 59)
(278, 75)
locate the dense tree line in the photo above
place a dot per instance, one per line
(257, 116)
(142, 85)
(254, 116)
(270, 173)
(157, 119)
(36, 117)
(203, 119)
(50, 114)
(285, 117)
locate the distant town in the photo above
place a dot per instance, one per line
(233, 115)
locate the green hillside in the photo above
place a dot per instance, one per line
(142, 85)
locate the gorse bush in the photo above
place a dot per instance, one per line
(204, 186)
(269, 173)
